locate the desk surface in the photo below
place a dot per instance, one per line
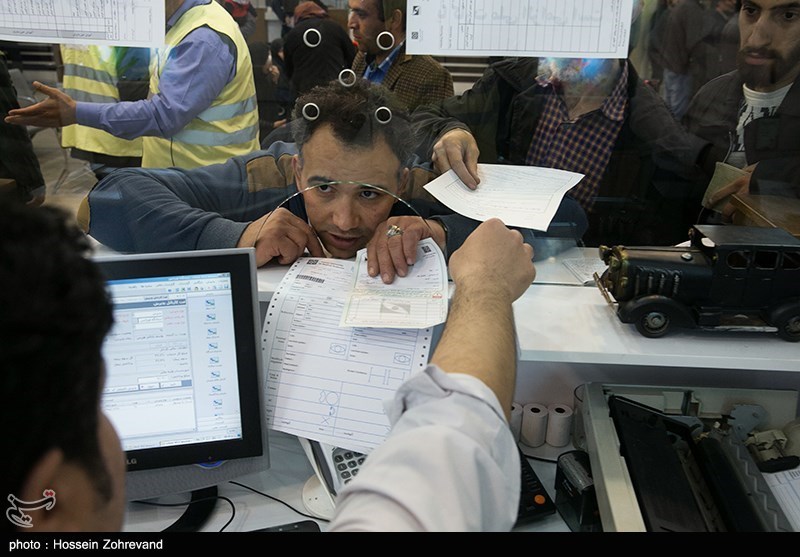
(289, 470)
(560, 320)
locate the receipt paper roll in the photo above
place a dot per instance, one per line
(516, 420)
(559, 425)
(534, 424)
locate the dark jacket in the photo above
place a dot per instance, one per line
(643, 195)
(771, 141)
(416, 80)
(309, 66)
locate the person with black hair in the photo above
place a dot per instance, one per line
(63, 468)
(347, 139)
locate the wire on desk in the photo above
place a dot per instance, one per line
(278, 501)
(233, 507)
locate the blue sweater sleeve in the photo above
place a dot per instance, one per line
(171, 209)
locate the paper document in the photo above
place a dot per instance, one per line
(416, 300)
(325, 382)
(554, 28)
(522, 196)
(585, 268)
(786, 488)
(724, 174)
(137, 23)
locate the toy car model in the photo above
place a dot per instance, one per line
(728, 277)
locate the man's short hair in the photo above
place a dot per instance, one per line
(54, 318)
(389, 6)
(357, 114)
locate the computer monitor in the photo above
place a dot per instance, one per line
(184, 372)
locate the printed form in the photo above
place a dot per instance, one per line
(522, 196)
(134, 23)
(545, 28)
(326, 382)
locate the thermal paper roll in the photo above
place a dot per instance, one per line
(534, 424)
(516, 420)
(559, 425)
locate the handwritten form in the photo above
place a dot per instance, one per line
(325, 382)
(547, 28)
(523, 196)
(417, 300)
(136, 23)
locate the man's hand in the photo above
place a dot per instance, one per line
(392, 255)
(458, 150)
(494, 257)
(56, 111)
(280, 235)
(740, 185)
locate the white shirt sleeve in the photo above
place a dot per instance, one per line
(450, 463)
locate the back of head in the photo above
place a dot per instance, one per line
(55, 316)
(307, 10)
(358, 114)
(387, 7)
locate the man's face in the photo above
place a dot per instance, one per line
(769, 54)
(365, 24)
(345, 216)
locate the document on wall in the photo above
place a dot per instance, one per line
(135, 23)
(522, 196)
(539, 28)
(416, 300)
(325, 382)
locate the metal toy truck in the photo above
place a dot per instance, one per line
(728, 277)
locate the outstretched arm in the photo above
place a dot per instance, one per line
(491, 270)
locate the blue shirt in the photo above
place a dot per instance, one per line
(377, 73)
(199, 68)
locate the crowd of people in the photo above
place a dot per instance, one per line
(322, 140)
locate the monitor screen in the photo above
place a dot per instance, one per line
(183, 368)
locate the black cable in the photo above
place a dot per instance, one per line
(233, 507)
(278, 501)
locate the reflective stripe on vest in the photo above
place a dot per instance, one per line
(90, 75)
(229, 126)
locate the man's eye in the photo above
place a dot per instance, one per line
(369, 194)
(324, 188)
(790, 16)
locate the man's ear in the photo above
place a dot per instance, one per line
(297, 169)
(73, 494)
(395, 22)
(401, 191)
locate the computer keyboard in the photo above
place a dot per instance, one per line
(534, 501)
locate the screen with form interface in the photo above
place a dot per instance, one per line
(171, 361)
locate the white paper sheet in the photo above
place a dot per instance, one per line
(523, 196)
(554, 28)
(786, 488)
(137, 23)
(325, 382)
(414, 301)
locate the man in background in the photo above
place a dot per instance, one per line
(752, 115)
(201, 108)
(18, 161)
(63, 468)
(316, 50)
(92, 73)
(379, 30)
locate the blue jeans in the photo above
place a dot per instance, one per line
(677, 92)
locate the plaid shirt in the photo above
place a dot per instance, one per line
(582, 145)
